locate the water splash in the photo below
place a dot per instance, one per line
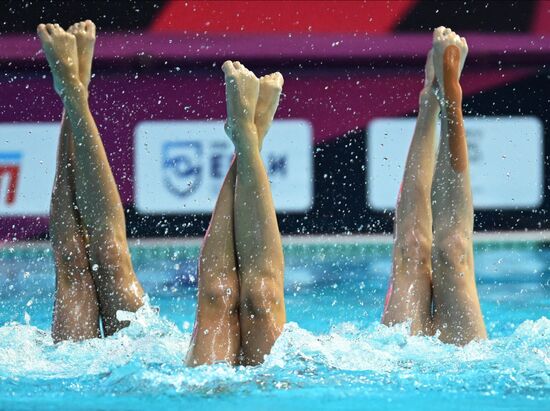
(147, 358)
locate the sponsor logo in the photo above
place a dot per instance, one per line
(180, 165)
(10, 165)
(277, 165)
(27, 167)
(182, 170)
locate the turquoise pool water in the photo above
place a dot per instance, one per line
(333, 353)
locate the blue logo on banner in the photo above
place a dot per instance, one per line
(181, 163)
(277, 165)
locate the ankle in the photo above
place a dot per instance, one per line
(453, 92)
(74, 93)
(246, 150)
(245, 138)
(428, 101)
(451, 103)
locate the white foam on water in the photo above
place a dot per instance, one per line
(149, 357)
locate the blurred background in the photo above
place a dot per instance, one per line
(335, 155)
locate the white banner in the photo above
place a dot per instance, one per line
(506, 161)
(180, 165)
(27, 167)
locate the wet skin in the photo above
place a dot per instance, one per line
(453, 93)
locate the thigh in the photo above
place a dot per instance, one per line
(118, 288)
(262, 313)
(216, 334)
(409, 296)
(457, 312)
(76, 309)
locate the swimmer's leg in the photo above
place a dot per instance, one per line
(409, 296)
(457, 313)
(216, 335)
(76, 308)
(97, 196)
(257, 238)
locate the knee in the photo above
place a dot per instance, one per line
(108, 250)
(69, 252)
(219, 293)
(415, 246)
(453, 249)
(263, 294)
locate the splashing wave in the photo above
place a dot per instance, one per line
(148, 358)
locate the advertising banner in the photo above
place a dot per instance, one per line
(27, 167)
(506, 161)
(180, 165)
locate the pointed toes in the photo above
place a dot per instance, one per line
(278, 78)
(42, 32)
(90, 26)
(228, 68)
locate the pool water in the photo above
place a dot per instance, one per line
(333, 354)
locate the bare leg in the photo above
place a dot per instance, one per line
(76, 309)
(457, 313)
(216, 335)
(409, 296)
(96, 192)
(257, 238)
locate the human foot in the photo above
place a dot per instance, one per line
(268, 101)
(84, 32)
(61, 53)
(450, 52)
(241, 90)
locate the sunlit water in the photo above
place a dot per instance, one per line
(333, 354)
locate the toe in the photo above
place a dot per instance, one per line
(90, 26)
(50, 28)
(438, 36)
(42, 32)
(278, 77)
(228, 68)
(237, 65)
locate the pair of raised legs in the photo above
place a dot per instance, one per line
(241, 308)
(94, 274)
(433, 283)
